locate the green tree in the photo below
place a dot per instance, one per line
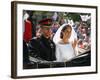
(74, 16)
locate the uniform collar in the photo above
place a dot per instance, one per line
(44, 38)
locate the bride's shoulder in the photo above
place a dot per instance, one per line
(58, 43)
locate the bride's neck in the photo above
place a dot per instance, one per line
(65, 41)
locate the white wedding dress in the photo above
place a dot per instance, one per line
(64, 52)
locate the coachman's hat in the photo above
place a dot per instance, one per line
(45, 22)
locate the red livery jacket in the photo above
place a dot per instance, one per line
(27, 31)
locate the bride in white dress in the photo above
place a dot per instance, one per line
(65, 40)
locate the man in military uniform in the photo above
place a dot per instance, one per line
(43, 48)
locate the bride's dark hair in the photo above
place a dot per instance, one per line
(63, 29)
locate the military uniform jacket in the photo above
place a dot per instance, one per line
(42, 48)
